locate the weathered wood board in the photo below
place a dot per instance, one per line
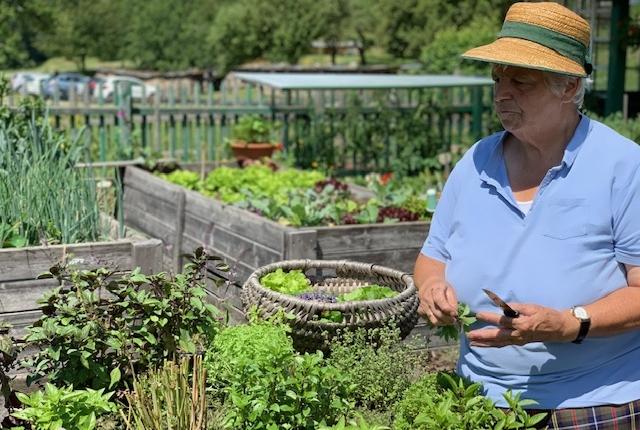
(19, 268)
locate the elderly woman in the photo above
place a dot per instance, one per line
(547, 215)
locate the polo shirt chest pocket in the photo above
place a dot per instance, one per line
(564, 219)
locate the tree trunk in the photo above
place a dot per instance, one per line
(361, 48)
(83, 62)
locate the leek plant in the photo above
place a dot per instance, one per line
(44, 199)
(171, 398)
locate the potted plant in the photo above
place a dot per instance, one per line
(251, 138)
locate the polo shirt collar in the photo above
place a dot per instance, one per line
(494, 171)
(579, 136)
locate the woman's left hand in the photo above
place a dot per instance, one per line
(535, 324)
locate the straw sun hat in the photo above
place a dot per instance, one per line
(544, 36)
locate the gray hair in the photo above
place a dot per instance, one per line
(557, 83)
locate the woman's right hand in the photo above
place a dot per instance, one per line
(438, 301)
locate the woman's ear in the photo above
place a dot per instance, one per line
(570, 90)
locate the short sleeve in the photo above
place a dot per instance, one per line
(626, 220)
(440, 228)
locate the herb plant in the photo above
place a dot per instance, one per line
(358, 423)
(97, 329)
(265, 384)
(464, 321)
(253, 129)
(449, 402)
(377, 363)
(64, 408)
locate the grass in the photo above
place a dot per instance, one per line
(61, 64)
(373, 55)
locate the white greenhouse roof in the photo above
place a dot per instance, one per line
(344, 81)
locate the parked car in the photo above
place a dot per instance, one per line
(28, 82)
(63, 83)
(139, 89)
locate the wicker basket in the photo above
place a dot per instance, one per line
(309, 329)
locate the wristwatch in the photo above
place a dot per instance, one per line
(585, 322)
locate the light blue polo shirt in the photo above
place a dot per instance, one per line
(568, 251)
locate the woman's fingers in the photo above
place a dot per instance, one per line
(438, 302)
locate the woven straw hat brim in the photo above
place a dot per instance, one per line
(524, 53)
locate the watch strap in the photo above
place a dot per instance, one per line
(585, 324)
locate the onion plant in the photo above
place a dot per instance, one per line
(44, 199)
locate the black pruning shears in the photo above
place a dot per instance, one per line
(507, 310)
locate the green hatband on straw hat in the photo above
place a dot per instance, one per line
(545, 36)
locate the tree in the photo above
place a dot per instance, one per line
(406, 26)
(337, 15)
(82, 28)
(20, 24)
(296, 24)
(363, 24)
(279, 30)
(240, 32)
(171, 34)
(442, 55)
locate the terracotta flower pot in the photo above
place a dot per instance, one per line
(252, 151)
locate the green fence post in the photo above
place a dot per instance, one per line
(617, 56)
(102, 139)
(285, 121)
(211, 129)
(476, 112)
(184, 131)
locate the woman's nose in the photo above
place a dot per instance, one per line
(502, 90)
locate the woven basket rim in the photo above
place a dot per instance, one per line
(375, 269)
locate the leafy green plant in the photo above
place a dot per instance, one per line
(96, 329)
(463, 323)
(368, 292)
(9, 350)
(265, 384)
(378, 135)
(257, 181)
(358, 423)
(446, 401)
(253, 129)
(171, 398)
(58, 408)
(292, 282)
(185, 178)
(302, 198)
(377, 363)
(10, 237)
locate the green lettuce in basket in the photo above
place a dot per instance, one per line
(292, 282)
(370, 292)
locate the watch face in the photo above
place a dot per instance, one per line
(580, 312)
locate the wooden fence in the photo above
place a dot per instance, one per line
(191, 123)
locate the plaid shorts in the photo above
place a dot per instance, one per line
(610, 417)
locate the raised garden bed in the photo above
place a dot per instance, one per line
(19, 268)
